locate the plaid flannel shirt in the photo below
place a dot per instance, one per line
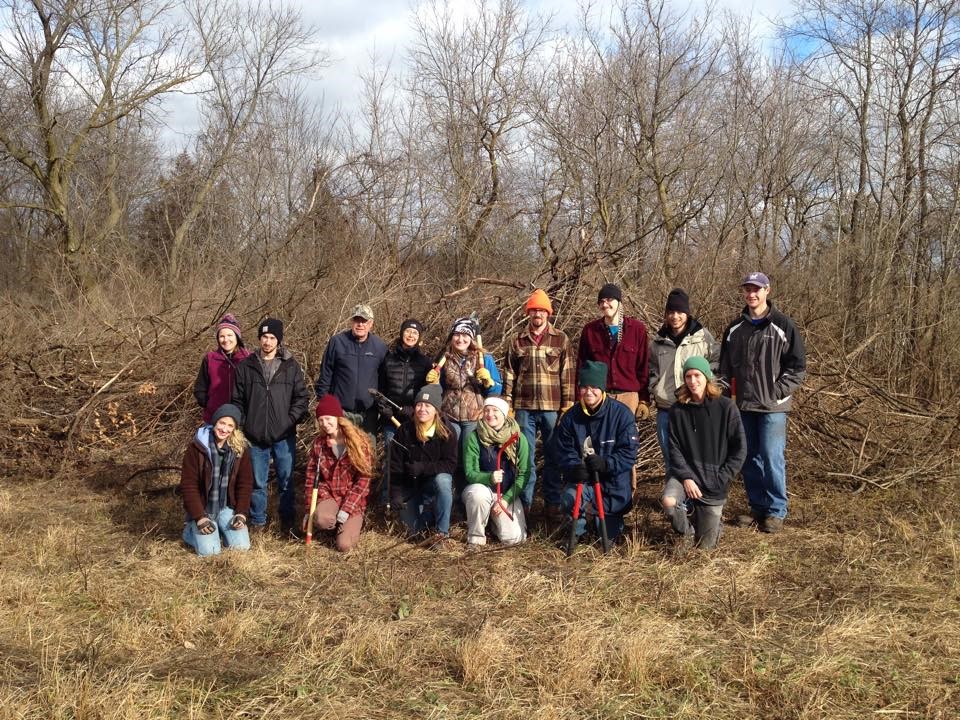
(540, 377)
(338, 479)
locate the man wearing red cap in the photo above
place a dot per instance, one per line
(539, 383)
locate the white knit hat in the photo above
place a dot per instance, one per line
(499, 403)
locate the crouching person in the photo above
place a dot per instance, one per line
(216, 483)
(340, 466)
(496, 453)
(422, 462)
(599, 434)
(707, 449)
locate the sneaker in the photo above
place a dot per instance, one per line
(771, 524)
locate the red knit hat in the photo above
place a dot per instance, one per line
(539, 301)
(329, 405)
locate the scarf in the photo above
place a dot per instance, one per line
(496, 438)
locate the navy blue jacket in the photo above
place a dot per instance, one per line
(350, 369)
(613, 432)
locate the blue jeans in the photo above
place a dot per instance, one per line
(284, 454)
(663, 437)
(530, 421)
(210, 544)
(765, 471)
(587, 502)
(426, 505)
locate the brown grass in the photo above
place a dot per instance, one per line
(852, 612)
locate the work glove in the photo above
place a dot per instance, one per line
(206, 526)
(643, 411)
(578, 474)
(342, 517)
(238, 521)
(433, 376)
(496, 476)
(484, 378)
(386, 411)
(595, 464)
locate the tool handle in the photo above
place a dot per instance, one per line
(598, 498)
(572, 541)
(313, 509)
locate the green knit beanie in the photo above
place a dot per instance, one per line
(698, 363)
(593, 374)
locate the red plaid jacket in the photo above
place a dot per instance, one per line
(338, 479)
(540, 377)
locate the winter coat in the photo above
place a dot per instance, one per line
(402, 373)
(627, 360)
(196, 476)
(613, 432)
(667, 358)
(767, 359)
(336, 478)
(216, 378)
(350, 368)
(463, 394)
(413, 462)
(707, 445)
(271, 410)
(479, 462)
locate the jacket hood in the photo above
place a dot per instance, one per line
(202, 439)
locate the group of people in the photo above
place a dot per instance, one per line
(459, 435)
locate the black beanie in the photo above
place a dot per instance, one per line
(271, 326)
(610, 292)
(411, 323)
(678, 301)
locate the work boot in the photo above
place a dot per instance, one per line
(745, 521)
(771, 524)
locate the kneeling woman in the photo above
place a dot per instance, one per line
(496, 453)
(216, 483)
(340, 465)
(422, 462)
(707, 450)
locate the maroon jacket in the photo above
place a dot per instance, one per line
(216, 378)
(196, 474)
(627, 361)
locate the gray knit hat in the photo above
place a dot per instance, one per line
(432, 394)
(227, 410)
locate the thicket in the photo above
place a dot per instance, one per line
(645, 146)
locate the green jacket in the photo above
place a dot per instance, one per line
(480, 462)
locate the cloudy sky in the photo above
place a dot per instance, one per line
(352, 32)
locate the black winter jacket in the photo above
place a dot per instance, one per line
(707, 445)
(767, 360)
(413, 462)
(403, 373)
(271, 411)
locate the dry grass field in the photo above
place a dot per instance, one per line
(853, 612)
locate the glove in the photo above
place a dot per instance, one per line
(595, 464)
(643, 411)
(386, 411)
(342, 517)
(433, 376)
(483, 376)
(496, 476)
(578, 474)
(205, 526)
(238, 521)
